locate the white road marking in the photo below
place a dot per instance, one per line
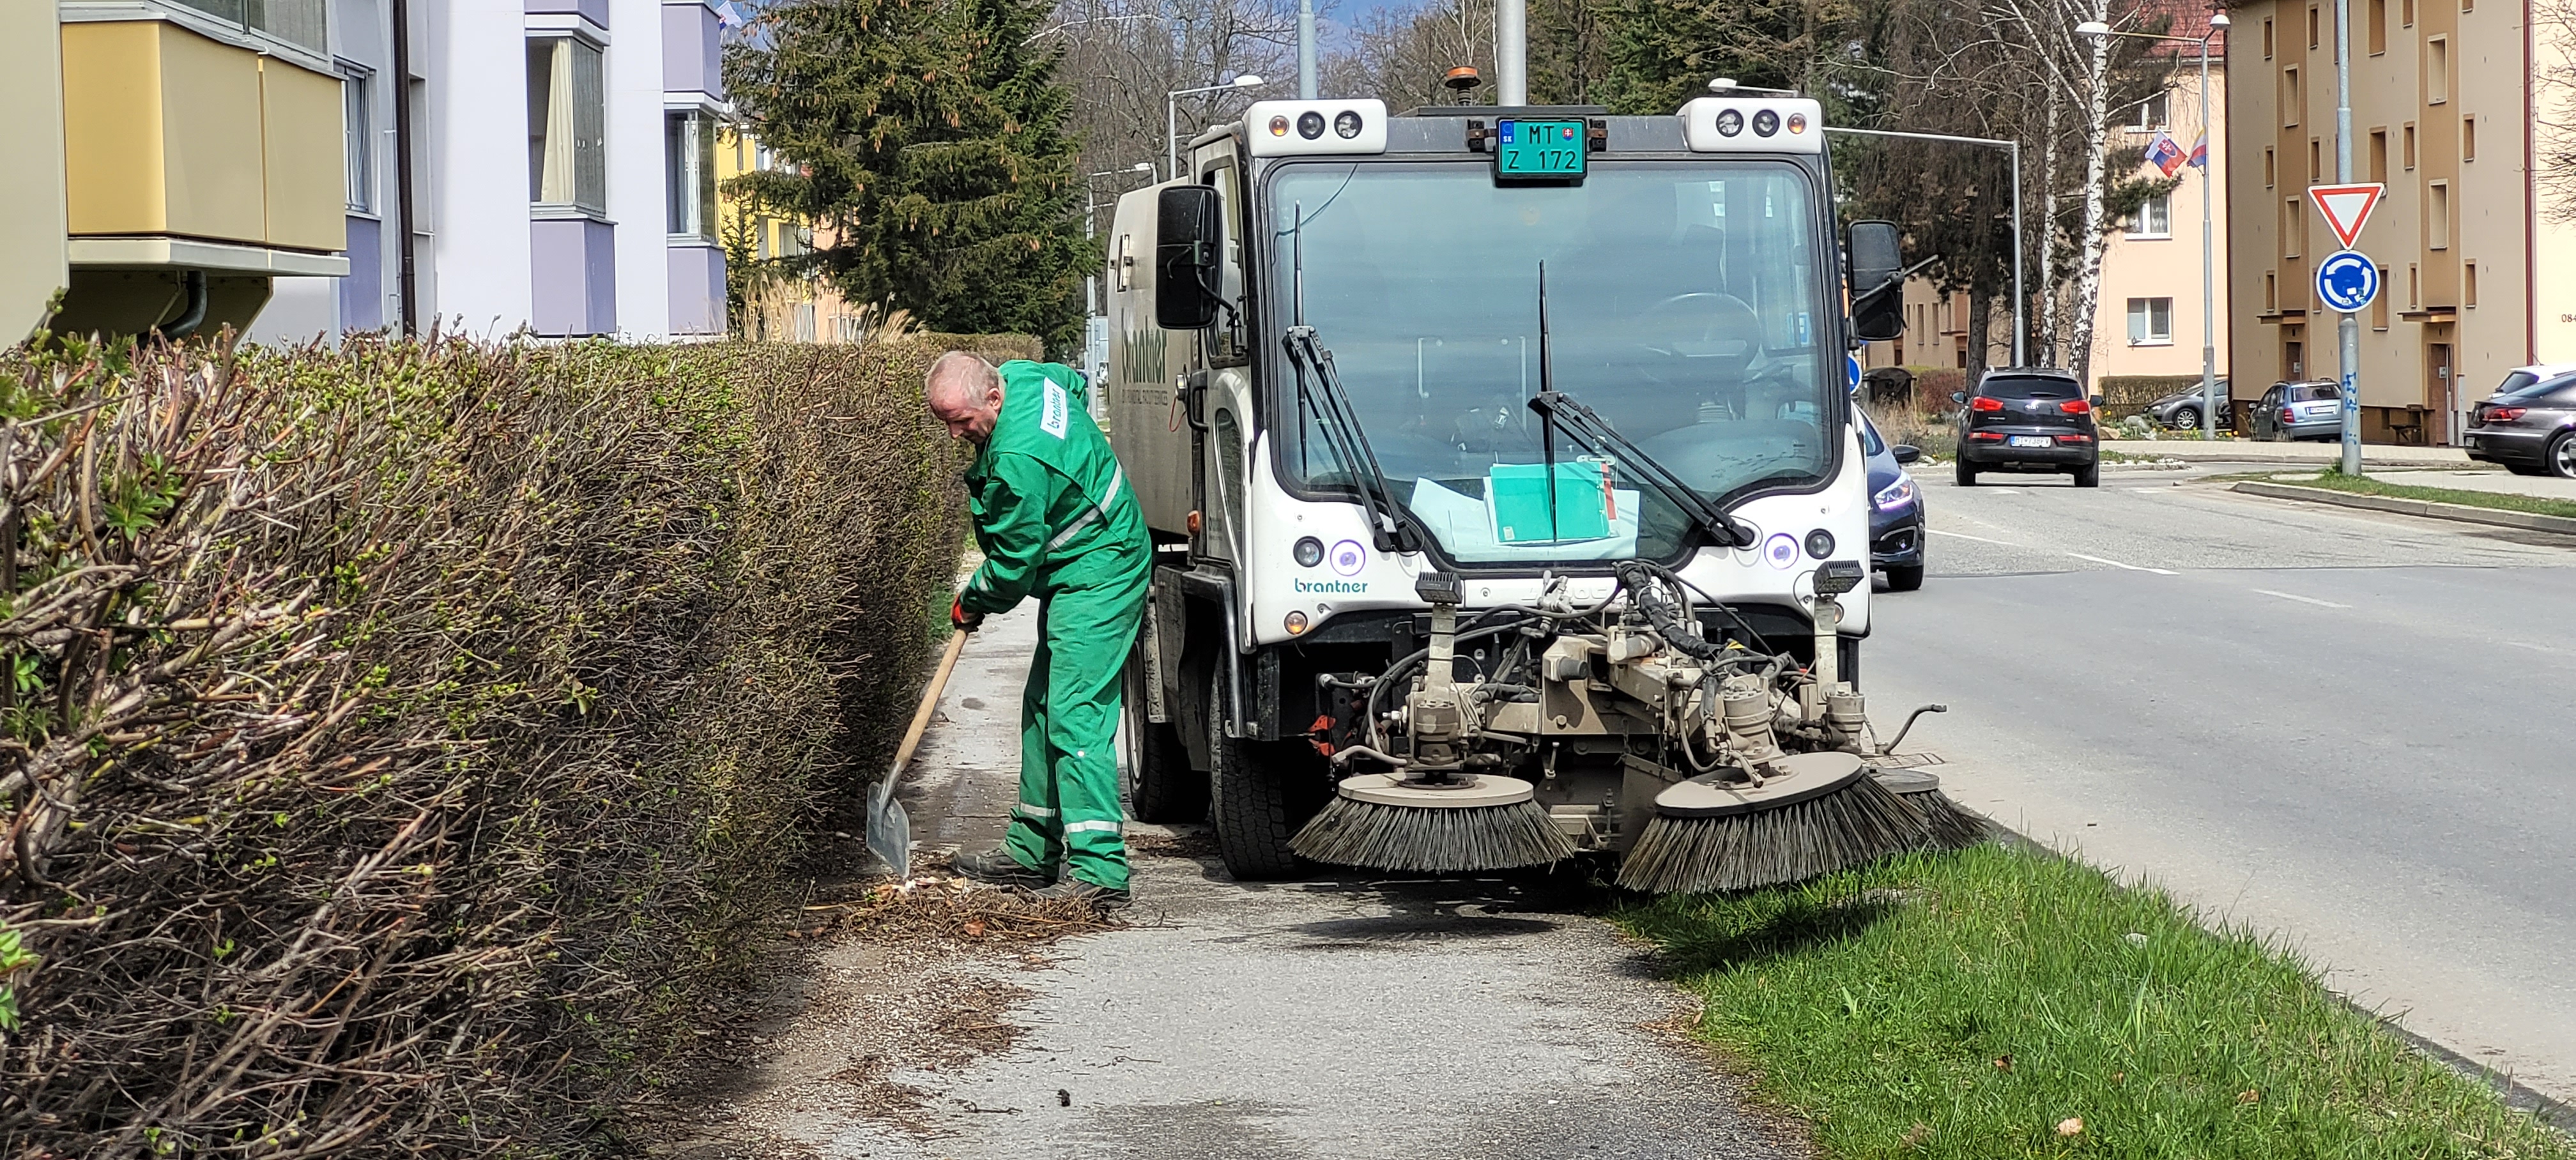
(1979, 539)
(2117, 564)
(2004, 491)
(2302, 599)
(2531, 646)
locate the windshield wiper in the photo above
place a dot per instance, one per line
(1556, 408)
(1561, 409)
(1334, 416)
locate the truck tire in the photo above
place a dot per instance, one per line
(1249, 801)
(1161, 786)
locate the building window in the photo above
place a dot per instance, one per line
(2271, 292)
(2290, 99)
(2379, 304)
(2155, 218)
(2437, 216)
(2468, 138)
(2294, 227)
(358, 140)
(2270, 168)
(2468, 284)
(2312, 28)
(2414, 287)
(297, 22)
(2267, 38)
(2406, 12)
(2151, 322)
(689, 166)
(2410, 147)
(2151, 113)
(2437, 70)
(567, 125)
(2378, 32)
(2316, 160)
(2379, 155)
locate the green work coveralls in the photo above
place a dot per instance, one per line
(1057, 521)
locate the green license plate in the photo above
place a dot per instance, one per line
(1538, 149)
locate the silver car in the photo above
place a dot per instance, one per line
(2306, 410)
(2531, 431)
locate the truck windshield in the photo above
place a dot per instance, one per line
(1685, 307)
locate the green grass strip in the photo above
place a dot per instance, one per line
(1972, 1005)
(2365, 485)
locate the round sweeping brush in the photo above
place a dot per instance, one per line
(1819, 814)
(1947, 824)
(1474, 822)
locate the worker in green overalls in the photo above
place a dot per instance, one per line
(1056, 521)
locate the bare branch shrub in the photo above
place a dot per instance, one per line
(400, 741)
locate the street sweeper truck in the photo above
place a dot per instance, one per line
(1506, 495)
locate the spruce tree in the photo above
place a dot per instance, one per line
(928, 137)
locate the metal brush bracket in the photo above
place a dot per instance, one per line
(1436, 711)
(1830, 701)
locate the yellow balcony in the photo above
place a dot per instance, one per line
(169, 134)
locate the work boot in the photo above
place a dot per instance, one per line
(1101, 898)
(996, 867)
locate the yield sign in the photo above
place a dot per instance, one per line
(2346, 207)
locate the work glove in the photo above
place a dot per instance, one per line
(964, 620)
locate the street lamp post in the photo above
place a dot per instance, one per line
(1172, 118)
(2208, 252)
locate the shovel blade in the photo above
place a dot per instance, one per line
(890, 836)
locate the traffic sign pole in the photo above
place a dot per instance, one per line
(2350, 328)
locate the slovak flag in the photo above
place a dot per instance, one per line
(2164, 154)
(2200, 152)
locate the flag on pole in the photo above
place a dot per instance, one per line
(2200, 151)
(727, 16)
(2164, 154)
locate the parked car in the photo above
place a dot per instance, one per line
(2180, 411)
(1895, 510)
(2304, 410)
(2028, 419)
(2530, 431)
(2523, 378)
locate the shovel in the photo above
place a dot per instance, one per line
(889, 826)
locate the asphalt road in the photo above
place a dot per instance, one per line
(2344, 730)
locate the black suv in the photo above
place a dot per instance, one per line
(2028, 419)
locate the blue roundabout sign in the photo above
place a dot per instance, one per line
(2346, 281)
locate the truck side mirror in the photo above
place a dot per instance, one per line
(1878, 300)
(1186, 239)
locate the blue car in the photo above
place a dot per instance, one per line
(1895, 509)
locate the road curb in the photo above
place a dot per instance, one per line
(2497, 517)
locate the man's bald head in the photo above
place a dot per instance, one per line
(964, 392)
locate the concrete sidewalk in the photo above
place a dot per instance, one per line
(2313, 454)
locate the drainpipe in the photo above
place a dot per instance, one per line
(194, 281)
(406, 279)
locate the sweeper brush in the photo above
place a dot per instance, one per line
(1476, 823)
(1946, 824)
(1820, 814)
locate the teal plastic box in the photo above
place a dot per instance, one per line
(1518, 498)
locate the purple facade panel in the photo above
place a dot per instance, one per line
(594, 11)
(362, 293)
(692, 50)
(574, 290)
(697, 290)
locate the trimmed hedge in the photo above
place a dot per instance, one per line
(402, 741)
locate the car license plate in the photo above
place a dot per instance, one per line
(2031, 441)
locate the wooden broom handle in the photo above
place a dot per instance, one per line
(929, 704)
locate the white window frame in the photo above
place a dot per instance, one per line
(2152, 113)
(358, 138)
(587, 173)
(690, 180)
(2143, 319)
(2145, 227)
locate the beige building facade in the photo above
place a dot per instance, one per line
(2441, 113)
(2149, 320)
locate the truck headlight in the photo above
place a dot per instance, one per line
(1895, 495)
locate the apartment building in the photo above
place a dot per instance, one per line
(167, 162)
(305, 168)
(2441, 112)
(561, 178)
